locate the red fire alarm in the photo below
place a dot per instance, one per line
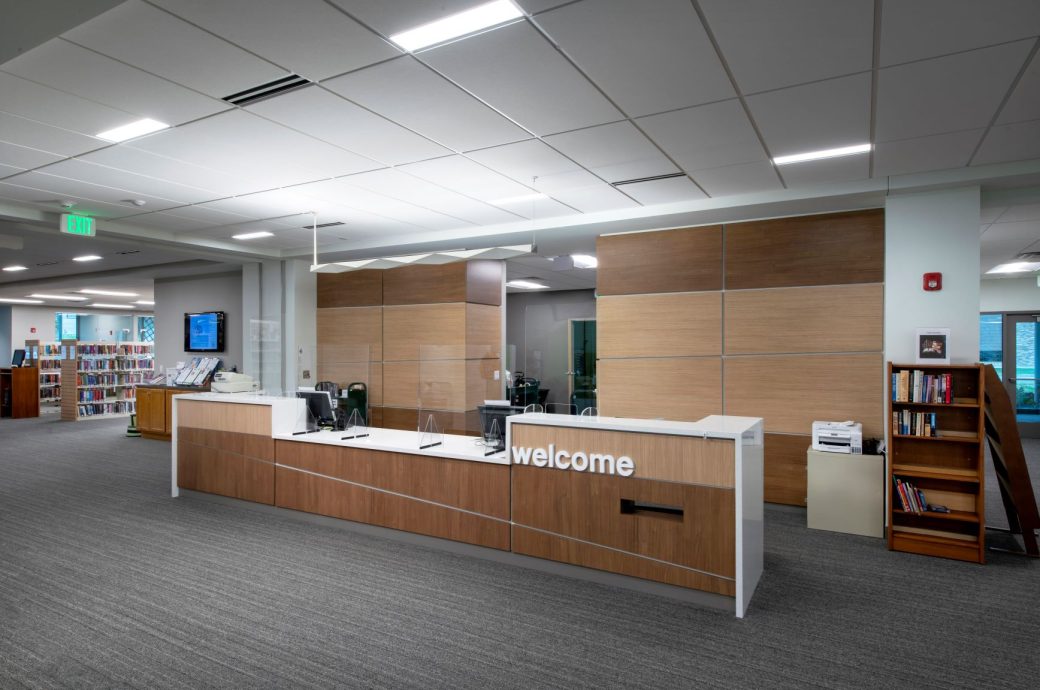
(932, 281)
(33, 329)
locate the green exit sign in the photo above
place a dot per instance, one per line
(78, 225)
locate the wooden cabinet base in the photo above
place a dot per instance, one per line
(226, 463)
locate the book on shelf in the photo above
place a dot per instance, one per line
(915, 386)
(907, 423)
(911, 499)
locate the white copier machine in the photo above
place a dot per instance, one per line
(837, 437)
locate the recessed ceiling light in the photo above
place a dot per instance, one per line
(1015, 267)
(517, 199)
(144, 301)
(820, 155)
(108, 293)
(252, 235)
(111, 306)
(69, 298)
(526, 285)
(14, 268)
(134, 129)
(16, 300)
(584, 261)
(87, 257)
(470, 21)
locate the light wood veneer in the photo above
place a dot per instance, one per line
(669, 388)
(662, 325)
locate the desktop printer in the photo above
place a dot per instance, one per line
(837, 437)
(232, 382)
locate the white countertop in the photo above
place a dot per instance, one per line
(399, 441)
(712, 426)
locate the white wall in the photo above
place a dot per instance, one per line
(924, 233)
(1010, 294)
(301, 331)
(102, 326)
(176, 296)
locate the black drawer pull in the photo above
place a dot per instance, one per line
(630, 507)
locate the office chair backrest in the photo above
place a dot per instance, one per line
(329, 386)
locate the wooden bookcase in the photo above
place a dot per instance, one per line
(100, 379)
(47, 358)
(948, 467)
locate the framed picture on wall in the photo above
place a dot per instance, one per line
(933, 345)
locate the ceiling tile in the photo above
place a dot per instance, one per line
(822, 115)
(25, 132)
(594, 197)
(17, 189)
(535, 164)
(1010, 238)
(166, 220)
(412, 94)
(614, 152)
(946, 94)
(769, 44)
(266, 153)
(464, 176)
(923, 154)
(401, 15)
(356, 199)
(518, 72)
(535, 6)
(6, 170)
(812, 173)
(142, 162)
(62, 65)
(210, 217)
(328, 117)
(916, 29)
(989, 214)
(131, 182)
(1006, 143)
(52, 107)
(23, 157)
(641, 53)
(308, 37)
(146, 37)
(1015, 214)
(64, 186)
(707, 136)
(275, 203)
(738, 179)
(1024, 103)
(663, 191)
(537, 209)
(398, 185)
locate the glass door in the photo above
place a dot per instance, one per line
(1021, 364)
(582, 356)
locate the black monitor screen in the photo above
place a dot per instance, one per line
(204, 332)
(320, 405)
(19, 357)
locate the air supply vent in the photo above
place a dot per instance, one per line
(1029, 256)
(649, 179)
(129, 251)
(47, 263)
(268, 90)
(324, 225)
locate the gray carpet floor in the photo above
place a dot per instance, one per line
(105, 581)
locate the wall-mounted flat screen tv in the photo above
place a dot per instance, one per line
(204, 332)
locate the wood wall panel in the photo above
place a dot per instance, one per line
(669, 388)
(827, 249)
(350, 334)
(684, 260)
(588, 507)
(228, 464)
(480, 381)
(425, 284)
(540, 545)
(683, 459)
(219, 416)
(484, 281)
(437, 384)
(662, 325)
(840, 318)
(786, 476)
(250, 445)
(362, 288)
(424, 331)
(312, 494)
(479, 487)
(483, 331)
(791, 391)
(345, 373)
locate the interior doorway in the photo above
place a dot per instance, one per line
(1010, 341)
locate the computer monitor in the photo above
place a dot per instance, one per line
(489, 414)
(320, 405)
(18, 359)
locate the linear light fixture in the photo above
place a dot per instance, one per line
(105, 305)
(17, 300)
(86, 257)
(1015, 267)
(144, 301)
(132, 130)
(16, 267)
(252, 235)
(518, 199)
(584, 261)
(69, 298)
(820, 155)
(108, 293)
(461, 24)
(526, 284)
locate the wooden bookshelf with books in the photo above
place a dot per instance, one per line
(47, 358)
(936, 475)
(100, 379)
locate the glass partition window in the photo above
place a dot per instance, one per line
(554, 364)
(991, 341)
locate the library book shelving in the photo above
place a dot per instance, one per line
(100, 379)
(936, 473)
(47, 358)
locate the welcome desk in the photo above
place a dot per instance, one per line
(670, 502)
